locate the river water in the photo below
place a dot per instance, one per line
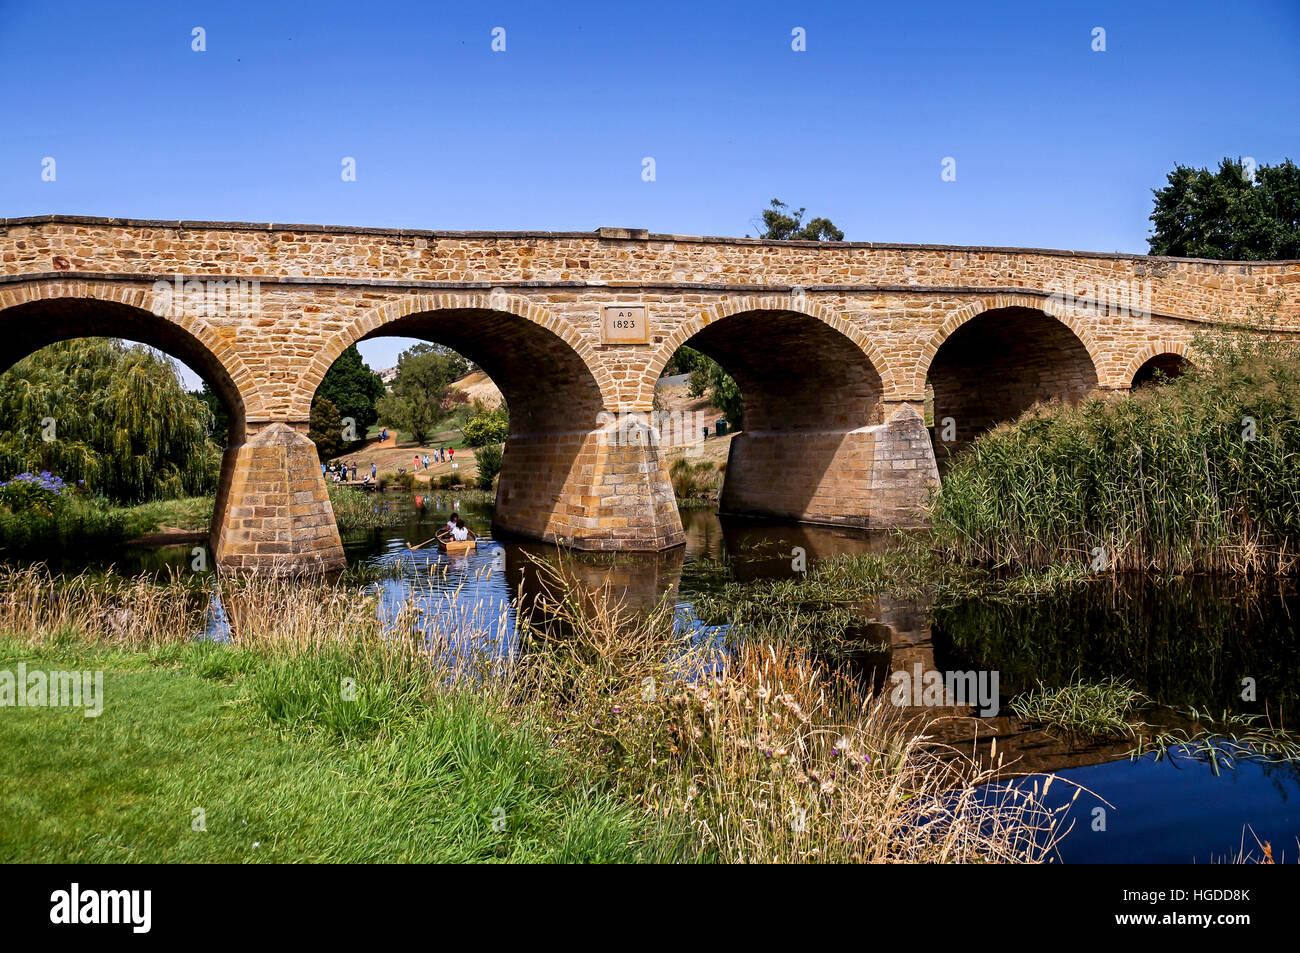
(1183, 643)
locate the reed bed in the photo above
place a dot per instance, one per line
(1199, 474)
(694, 482)
(1083, 710)
(359, 509)
(101, 609)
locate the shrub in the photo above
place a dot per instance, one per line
(692, 479)
(488, 458)
(489, 426)
(397, 481)
(41, 514)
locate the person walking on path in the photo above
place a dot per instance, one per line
(374, 470)
(451, 454)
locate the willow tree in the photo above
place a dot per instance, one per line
(108, 414)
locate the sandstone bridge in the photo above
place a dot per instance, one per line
(832, 344)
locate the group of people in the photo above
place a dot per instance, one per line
(440, 455)
(338, 472)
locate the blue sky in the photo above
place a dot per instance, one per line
(1055, 145)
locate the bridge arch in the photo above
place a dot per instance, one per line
(996, 357)
(769, 305)
(466, 322)
(41, 313)
(1069, 316)
(1166, 356)
(38, 314)
(561, 478)
(813, 445)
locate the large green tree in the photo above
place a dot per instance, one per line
(724, 393)
(1229, 214)
(708, 377)
(354, 391)
(324, 429)
(416, 403)
(110, 414)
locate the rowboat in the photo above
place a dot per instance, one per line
(456, 547)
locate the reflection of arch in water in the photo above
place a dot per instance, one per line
(640, 582)
(765, 549)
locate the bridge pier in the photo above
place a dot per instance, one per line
(874, 477)
(604, 489)
(273, 513)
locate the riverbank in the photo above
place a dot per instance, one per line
(206, 755)
(70, 521)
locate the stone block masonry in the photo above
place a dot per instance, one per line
(835, 347)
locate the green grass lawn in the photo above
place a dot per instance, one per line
(259, 746)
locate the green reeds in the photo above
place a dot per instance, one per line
(1083, 710)
(1200, 474)
(693, 481)
(358, 509)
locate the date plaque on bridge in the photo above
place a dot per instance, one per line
(625, 324)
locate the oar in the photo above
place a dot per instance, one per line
(418, 545)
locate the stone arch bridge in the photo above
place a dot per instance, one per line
(833, 346)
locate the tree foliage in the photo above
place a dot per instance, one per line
(118, 417)
(1226, 215)
(488, 426)
(416, 403)
(220, 433)
(707, 377)
(723, 391)
(325, 429)
(488, 460)
(782, 223)
(685, 360)
(354, 390)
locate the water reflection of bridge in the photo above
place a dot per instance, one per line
(897, 634)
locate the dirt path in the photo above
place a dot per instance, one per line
(389, 457)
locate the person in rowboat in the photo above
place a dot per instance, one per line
(446, 532)
(462, 532)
